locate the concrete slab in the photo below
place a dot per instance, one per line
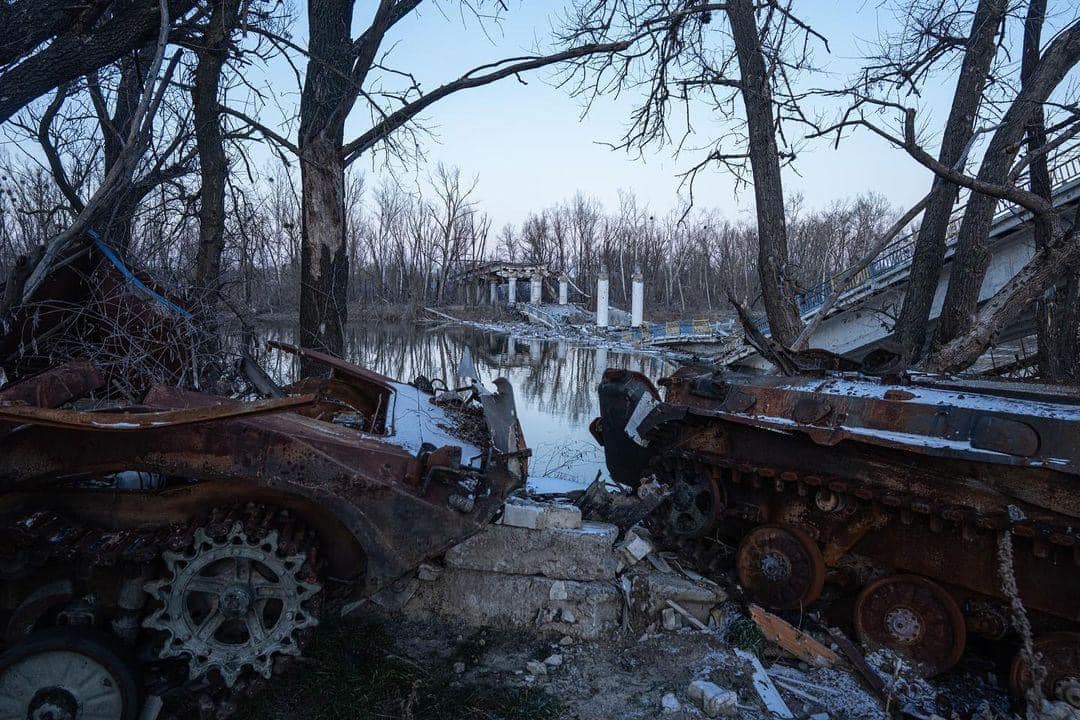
(583, 553)
(483, 599)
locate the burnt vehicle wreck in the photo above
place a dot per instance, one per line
(915, 497)
(188, 544)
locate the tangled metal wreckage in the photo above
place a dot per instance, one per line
(189, 543)
(923, 497)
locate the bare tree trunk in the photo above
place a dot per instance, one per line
(777, 289)
(324, 105)
(972, 256)
(324, 264)
(1022, 290)
(113, 220)
(1057, 313)
(213, 166)
(910, 330)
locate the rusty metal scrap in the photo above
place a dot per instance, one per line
(133, 419)
(55, 386)
(897, 490)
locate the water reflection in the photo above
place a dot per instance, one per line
(554, 380)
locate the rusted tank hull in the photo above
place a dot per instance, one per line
(856, 482)
(284, 515)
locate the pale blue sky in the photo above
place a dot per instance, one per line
(530, 148)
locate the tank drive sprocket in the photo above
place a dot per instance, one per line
(233, 602)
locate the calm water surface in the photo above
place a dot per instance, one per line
(554, 380)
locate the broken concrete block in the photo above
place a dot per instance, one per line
(535, 667)
(481, 599)
(583, 553)
(670, 619)
(557, 591)
(562, 515)
(714, 700)
(670, 703)
(649, 592)
(553, 660)
(521, 512)
(634, 546)
(428, 573)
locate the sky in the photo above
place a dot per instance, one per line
(530, 146)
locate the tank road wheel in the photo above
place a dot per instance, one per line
(781, 567)
(913, 617)
(695, 504)
(233, 604)
(67, 674)
(1061, 657)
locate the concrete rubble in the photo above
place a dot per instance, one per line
(541, 566)
(584, 586)
(713, 700)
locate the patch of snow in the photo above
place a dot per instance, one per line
(935, 396)
(541, 485)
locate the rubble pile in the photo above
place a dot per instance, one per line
(541, 566)
(596, 591)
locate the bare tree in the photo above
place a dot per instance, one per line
(48, 43)
(1003, 109)
(684, 53)
(212, 48)
(339, 69)
(932, 38)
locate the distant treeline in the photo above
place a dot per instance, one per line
(406, 244)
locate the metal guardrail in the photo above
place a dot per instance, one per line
(674, 329)
(899, 253)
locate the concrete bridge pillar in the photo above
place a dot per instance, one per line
(536, 294)
(512, 291)
(602, 298)
(563, 289)
(637, 298)
(493, 292)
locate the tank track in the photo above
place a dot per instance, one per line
(37, 539)
(907, 506)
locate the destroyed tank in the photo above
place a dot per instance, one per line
(187, 546)
(926, 498)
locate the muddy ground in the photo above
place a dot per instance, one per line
(377, 666)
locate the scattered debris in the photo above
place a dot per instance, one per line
(669, 703)
(536, 668)
(635, 546)
(714, 700)
(768, 693)
(795, 641)
(689, 617)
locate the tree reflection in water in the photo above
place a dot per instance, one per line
(554, 380)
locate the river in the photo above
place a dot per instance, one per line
(554, 380)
